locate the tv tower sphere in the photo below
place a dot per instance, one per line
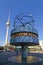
(8, 23)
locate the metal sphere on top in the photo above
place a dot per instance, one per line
(23, 19)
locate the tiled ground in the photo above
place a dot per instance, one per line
(5, 55)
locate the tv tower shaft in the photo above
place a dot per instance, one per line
(7, 31)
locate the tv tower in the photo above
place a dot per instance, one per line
(7, 31)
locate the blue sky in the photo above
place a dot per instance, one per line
(35, 7)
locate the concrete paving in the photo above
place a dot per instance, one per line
(5, 55)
